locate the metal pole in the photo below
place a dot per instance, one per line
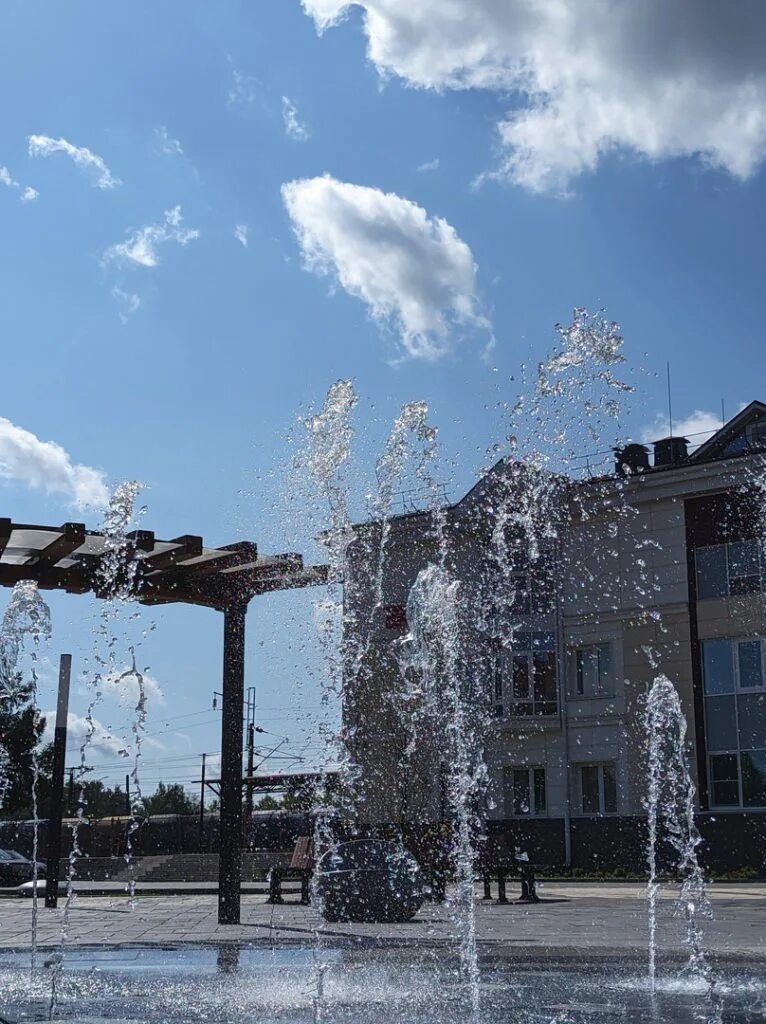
(250, 769)
(57, 784)
(202, 806)
(230, 844)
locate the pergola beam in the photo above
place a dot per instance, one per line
(180, 571)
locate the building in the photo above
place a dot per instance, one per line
(659, 566)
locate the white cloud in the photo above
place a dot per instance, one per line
(241, 233)
(43, 145)
(27, 194)
(102, 742)
(129, 302)
(123, 687)
(411, 270)
(429, 165)
(45, 465)
(294, 127)
(167, 145)
(698, 426)
(140, 247)
(662, 80)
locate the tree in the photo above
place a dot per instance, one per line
(172, 799)
(21, 729)
(100, 801)
(268, 803)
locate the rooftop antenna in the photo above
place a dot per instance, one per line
(670, 404)
(723, 413)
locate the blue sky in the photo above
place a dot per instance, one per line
(195, 390)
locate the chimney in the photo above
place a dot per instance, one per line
(632, 459)
(670, 451)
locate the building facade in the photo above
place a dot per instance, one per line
(579, 604)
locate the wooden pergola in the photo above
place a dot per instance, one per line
(70, 558)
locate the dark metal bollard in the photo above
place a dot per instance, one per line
(487, 887)
(275, 885)
(305, 888)
(501, 896)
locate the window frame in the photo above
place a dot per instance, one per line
(726, 546)
(525, 646)
(601, 812)
(738, 691)
(601, 691)
(509, 790)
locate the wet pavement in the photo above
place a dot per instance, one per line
(570, 916)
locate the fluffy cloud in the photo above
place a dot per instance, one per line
(140, 247)
(660, 79)
(43, 145)
(45, 465)
(241, 233)
(27, 194)
(123, 687)
(411, 270)
(102, 741)
(294, 127)
(698, 426)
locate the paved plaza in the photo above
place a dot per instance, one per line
(605, 919)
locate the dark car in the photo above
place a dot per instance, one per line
(369, 880)
(15, 868)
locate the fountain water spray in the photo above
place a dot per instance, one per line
(670, 808)
(27, 618)
(115, 583)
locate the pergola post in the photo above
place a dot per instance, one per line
(230, 844)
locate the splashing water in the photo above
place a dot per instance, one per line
(27, 618)
(116, 580)
(670, 805)
(439, 697)
(330, 434)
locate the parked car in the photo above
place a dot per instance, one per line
(369, 880)
(15, 868)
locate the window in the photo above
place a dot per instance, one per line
(755, 434)
(528, 671)
(593, 670)
(533, 585)
(734, 676)
(725, 570)
(598, 789)
(525, 792)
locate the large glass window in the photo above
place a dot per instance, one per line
(525, 792)
(725, 570)
(593, 671)
(598, 789)
(528, 671)
(735, 720)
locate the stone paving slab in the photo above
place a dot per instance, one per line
(608, 918)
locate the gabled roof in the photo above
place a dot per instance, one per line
(715, 447)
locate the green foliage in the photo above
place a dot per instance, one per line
(172, 799)
(21, 728)
(100, 801)
(268, 803)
